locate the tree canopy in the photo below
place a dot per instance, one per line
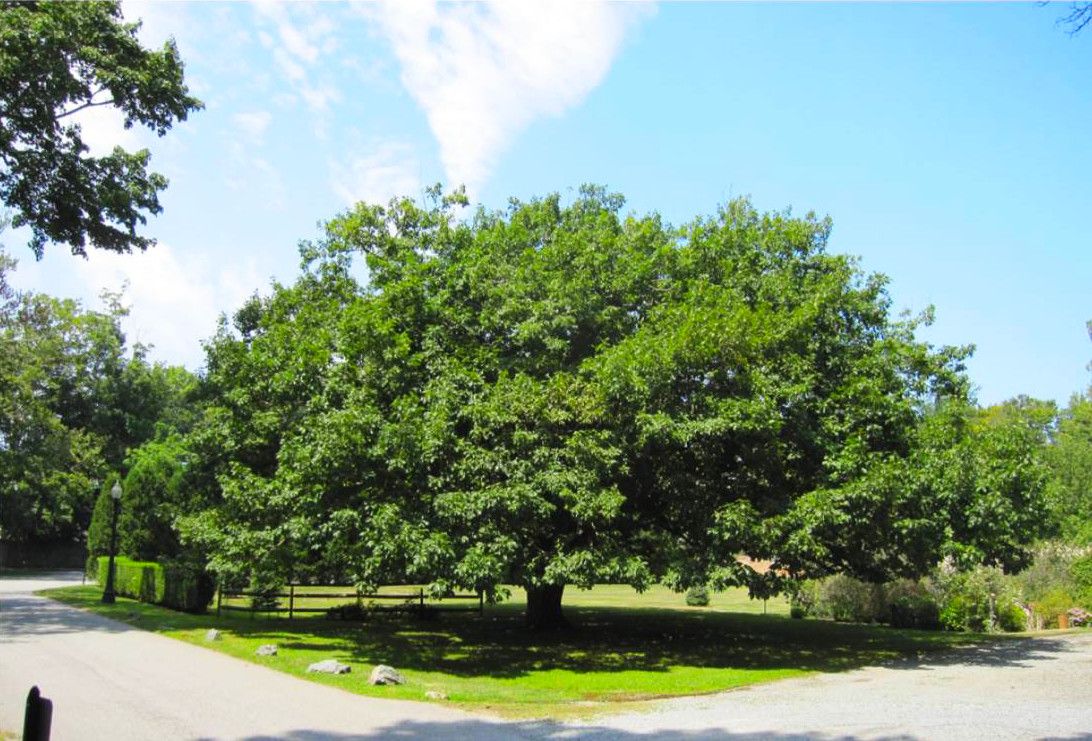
(561, 394)
(57, 59)
(74, 400)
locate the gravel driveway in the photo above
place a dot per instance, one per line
(109, 681)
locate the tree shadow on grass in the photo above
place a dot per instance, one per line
(647, 640)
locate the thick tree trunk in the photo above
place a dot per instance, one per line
(544, 607)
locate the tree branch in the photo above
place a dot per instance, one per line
(88, 104)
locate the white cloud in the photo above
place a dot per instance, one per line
(253, 124)
(391, 169)
(484, 72)
(301, 40)
(174, 303)
(103, 128)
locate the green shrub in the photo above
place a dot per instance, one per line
(953, 615)
(350, 611)
(846, 599)
(697, 597)
(1051, 605)
(911, 611)
(1010, 618)
(177, 586)
(805, 597)
(1081, 572)
(797, 612)
(265, 591)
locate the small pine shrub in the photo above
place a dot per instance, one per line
(350, 611)
(697, 597)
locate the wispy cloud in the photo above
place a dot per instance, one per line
(389, 169)
(253, 124)
(484, 72)
(174, 302)
(300, 40)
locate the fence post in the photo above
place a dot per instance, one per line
(421, 592)
(291, 599)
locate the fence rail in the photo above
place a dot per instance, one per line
(416, 601)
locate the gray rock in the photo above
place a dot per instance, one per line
(267, 649)
(329, 666)
(384, 674)
(436, 695)
(212, 635)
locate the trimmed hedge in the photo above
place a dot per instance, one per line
(173, 585)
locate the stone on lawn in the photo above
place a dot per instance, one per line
(436, 695)
(330, 666)
(212, 635)
(384, 674)
(267, 649)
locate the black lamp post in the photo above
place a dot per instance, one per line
(108, 595)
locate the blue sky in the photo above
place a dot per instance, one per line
(949, 143)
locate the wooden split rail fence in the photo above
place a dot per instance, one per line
(416, 601)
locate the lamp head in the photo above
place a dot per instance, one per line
(115, 491)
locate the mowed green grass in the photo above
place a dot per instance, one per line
(624, 648)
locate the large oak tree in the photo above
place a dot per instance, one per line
(559, 394)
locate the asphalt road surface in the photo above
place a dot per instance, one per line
(110, 681)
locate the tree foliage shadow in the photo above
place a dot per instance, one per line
(609, 639)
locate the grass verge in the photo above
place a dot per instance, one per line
(623, 650)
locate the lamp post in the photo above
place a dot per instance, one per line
(108, 595)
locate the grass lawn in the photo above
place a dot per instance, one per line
(625, 648)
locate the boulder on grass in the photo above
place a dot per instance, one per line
(329, 666)
(436, 695)
(267, 649)
(212, 635)
(384, 674)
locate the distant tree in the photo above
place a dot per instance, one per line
(558, 394)
(1070, 458)
(73, 401)
(60, 58)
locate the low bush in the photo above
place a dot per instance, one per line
(1011, 619)
(177, 586)
(920, 613)
(1051, 605)
(697, 597)
(848, 600)
(350, 611)
(1081, 572)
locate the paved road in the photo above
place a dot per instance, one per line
(109, 681)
